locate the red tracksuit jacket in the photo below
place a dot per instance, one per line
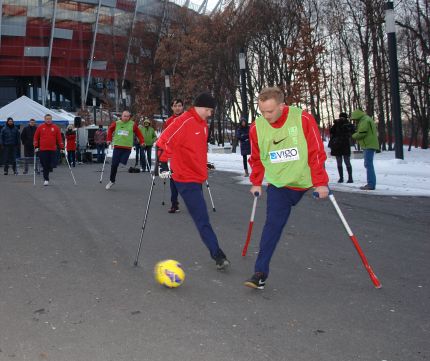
(47, 137)
(170, 121)
(185, 142)
(71, 141)
(316, 153)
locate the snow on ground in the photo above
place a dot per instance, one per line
(408, 177)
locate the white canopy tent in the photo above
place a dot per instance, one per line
(23, 109)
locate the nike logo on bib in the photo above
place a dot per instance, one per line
(279, 141)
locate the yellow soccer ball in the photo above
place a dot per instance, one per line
(169, 273)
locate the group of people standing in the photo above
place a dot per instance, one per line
(44, 143)
(341, 135)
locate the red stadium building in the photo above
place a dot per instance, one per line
(67, 53)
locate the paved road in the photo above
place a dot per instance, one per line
(69, 291)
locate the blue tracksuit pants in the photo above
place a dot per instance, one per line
(174, 193)
(279, 203)
(192, 194)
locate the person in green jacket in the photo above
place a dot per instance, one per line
(146, 150)
(367, 138)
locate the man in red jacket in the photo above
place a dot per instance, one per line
(45, 141)
(286, 148)
(177, 107)
(185, 143)
(122, 134)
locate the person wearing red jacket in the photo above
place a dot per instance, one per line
(71, 145)
(287, 149)
(185, 142)
(121, 134)
(45, 141)
(177, 107)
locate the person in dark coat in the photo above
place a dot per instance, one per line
(242, 134)
(27, 136)
(9, 140)
(340, 144)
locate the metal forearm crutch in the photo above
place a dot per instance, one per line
(210, 195)
(144, 221)
(354, 240)
(103, 168)
(251, 224)
(70, 168)
(34, 169)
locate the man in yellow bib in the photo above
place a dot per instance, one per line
(287, 149)
(120, 133)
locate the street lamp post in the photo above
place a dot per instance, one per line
(390, 27)
(167, 86)
(242, 66)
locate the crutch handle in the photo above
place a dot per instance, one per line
(317, 195)
(256, 194)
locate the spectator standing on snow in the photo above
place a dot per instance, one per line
(177, 107)
(121, 134)
(367, 137)
(286, 148)
(9, 140)
(340, 145)
(242, 134)
(185, 142)
(46, 139)
(71, 145)
(27, 136)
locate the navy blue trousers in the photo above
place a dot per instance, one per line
(120, 155)
(173, 193)
(279, 203)
(46, 159)
(192, 194)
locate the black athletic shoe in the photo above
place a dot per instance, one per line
(257, 281)
(222, 263)
(174, 210)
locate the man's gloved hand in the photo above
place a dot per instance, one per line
(164, 171)
(62, 151)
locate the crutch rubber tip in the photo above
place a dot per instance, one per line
(135, 263)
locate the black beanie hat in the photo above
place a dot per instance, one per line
(343, 115)
(205, 100)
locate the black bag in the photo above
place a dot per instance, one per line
(133, 170)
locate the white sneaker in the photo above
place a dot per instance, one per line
(46, 183)
(109, 185)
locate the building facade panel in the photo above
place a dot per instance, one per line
(25, 41)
